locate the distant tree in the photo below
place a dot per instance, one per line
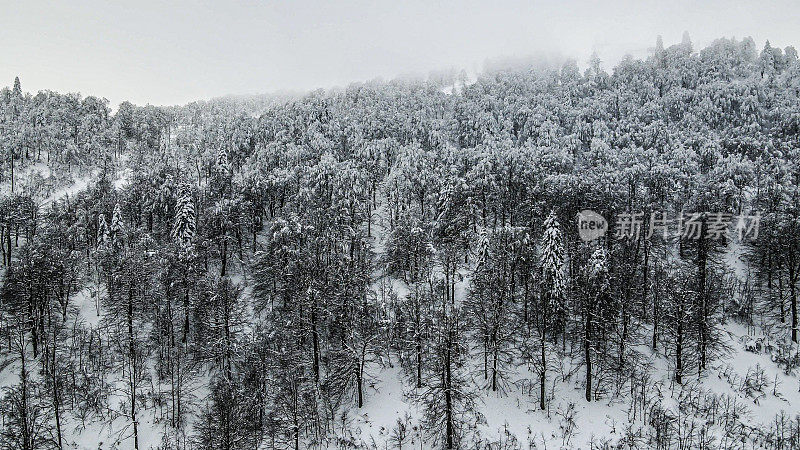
(767, 61)
(17, 92)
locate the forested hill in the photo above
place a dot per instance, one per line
(397, 264)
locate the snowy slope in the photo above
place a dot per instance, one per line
(753, 381)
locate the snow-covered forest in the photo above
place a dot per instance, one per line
(399, 265)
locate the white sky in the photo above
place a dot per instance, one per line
(174, 52)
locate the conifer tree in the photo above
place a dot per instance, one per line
(550, 314)
(553, 274)
(103, 234)
(223, 163)
(597, 273)
(184, 225)
(17, 92)
(117, 226)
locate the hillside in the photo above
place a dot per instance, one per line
(400, 264)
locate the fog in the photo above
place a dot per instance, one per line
(176, 52)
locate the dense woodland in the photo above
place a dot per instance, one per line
(238, 273)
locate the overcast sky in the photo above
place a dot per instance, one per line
(175, 52)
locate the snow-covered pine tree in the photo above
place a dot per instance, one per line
(597, 274)
(184, 226)
(103, 235)
(553, 276)
(17, 92)
(766, 61)
(220, 185)
(598, 266)
(117, 226)
(223, 162)
(549, 315)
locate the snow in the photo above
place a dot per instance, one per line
(80, 184)
(515, 412)
(87, 302)
(569, 421)
(386, 404)
(458, 85)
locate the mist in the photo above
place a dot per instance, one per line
(178, 52)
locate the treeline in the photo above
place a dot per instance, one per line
(276, 262)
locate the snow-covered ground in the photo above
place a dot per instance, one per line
(511, 414)
(569, 420)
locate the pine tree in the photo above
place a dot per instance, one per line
(550, 314)
(686, 42)
(223, 163)
(767, 61)
(103, 235)
(553, 274)
(659, 45)
(597, 274)
(183, 233)
(595, 64)
(184, 225)
(221, 180)
(117, 229)
(659, 52)
(17, 92)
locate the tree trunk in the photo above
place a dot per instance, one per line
(8, 243)
(646, 277)
(494, 368)
(56, 393)
(702, 258)
(679, 351)
(224, 256)
(27, 443)
(132, 356)
(360, 383)
(6, 262)
(185, 337)
(448, 393)
(793, 295)
(542, 374)
(315, 337)
(418, 338)
(587, 339)
(12, 170)
(655, 318)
